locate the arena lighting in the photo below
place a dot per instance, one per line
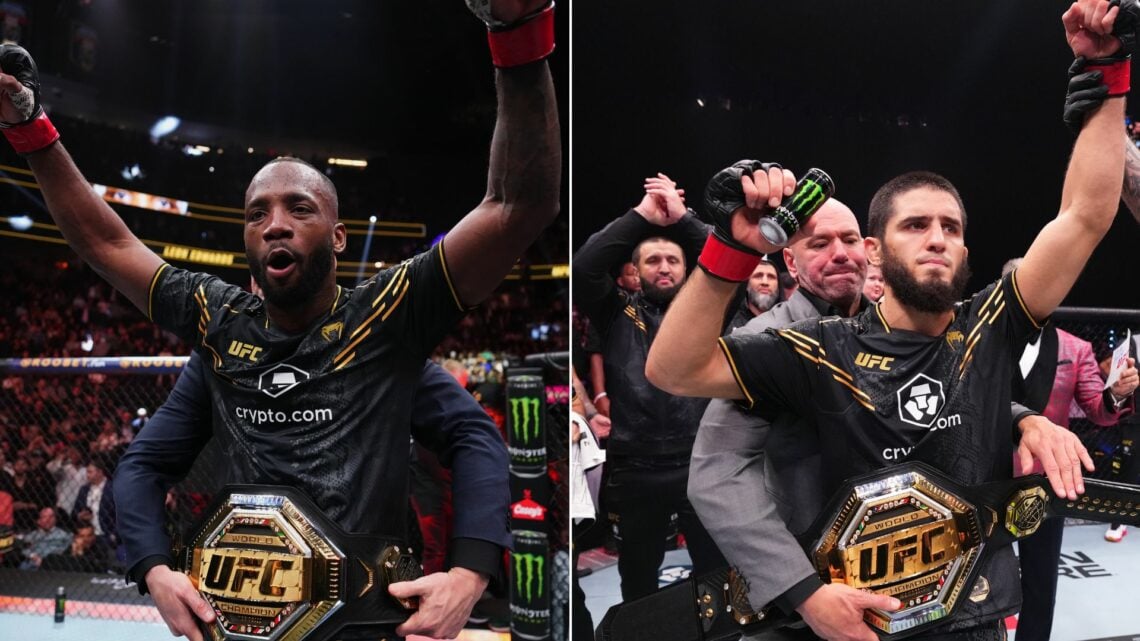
(164, 126)
(348, 162)
(195, 150)
(132, 172)
(20, 223)
(367, 247)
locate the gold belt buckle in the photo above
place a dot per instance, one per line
(273, 567)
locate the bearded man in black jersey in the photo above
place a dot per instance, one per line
(312, 387)
(936, 403)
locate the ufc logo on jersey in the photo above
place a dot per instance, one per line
(871, 361)
(244, 350)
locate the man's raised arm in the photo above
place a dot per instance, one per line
(1091, 193)
(87, 222)
(524, 178)
(1131, 193)
(685, 358)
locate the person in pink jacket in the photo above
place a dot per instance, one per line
(1064, 367)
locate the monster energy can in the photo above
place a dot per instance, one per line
(526, 425)
(530, 585)
(813, 189)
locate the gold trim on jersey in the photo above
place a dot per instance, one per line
(735, 372)
(812, 350)
(997, 312)
(447, 277)
(383, 310)
(838, 370)
(1020, 301)
(997, 299)
(882, 319)
(397, 280)
(352, 345)
(336, 299)
(150, 290)
(204, 324)
(807, 355)
(632, 313)
(857, 394)
(807, 342)
(987, 314)
(346, 361)
(399, 299)
(996, 291)
(200, 296)
(399, 275)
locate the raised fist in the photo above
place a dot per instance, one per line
(19, 85)
(505, 14)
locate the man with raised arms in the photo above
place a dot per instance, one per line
(945, 350)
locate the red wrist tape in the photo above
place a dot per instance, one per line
(1117, 76)
(726, 262)
(33, 135)
(533, 40)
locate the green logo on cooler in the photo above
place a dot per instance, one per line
(525, 418)
(528, 567)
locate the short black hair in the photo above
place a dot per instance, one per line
(328, 183)
(883, 202)
(635, 258)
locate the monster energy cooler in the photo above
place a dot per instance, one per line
(526, 425)
(530, 585)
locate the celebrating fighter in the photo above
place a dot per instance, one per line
(924, 391)
(350, 358)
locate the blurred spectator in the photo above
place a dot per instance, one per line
(45, 540)
(28, 489)
(85, 554)
(873, 286)
(629, 279)
(787, 285)
(93, 503)
(70, 474)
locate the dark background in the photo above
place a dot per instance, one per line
(391, 76)
(409, 86)
(863, 89)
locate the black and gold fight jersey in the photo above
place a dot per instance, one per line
(881, 395)
(326, 410)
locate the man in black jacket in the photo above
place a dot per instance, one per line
(653, 432)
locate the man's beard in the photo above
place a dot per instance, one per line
(762, 302)
(659, 295)
(930, 296)
(313, 271)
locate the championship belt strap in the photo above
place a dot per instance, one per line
(274, 566)
(907, 531)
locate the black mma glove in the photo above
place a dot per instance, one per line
(34, 131)
(1127, 21)
(1086, 92)
(723, 256)
(527, 39)
(1116, 70)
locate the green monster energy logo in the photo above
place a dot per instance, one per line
(807, 199)
(523, 412)
(527, 568)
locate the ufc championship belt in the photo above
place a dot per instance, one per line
(274, 567)
(907, 531)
